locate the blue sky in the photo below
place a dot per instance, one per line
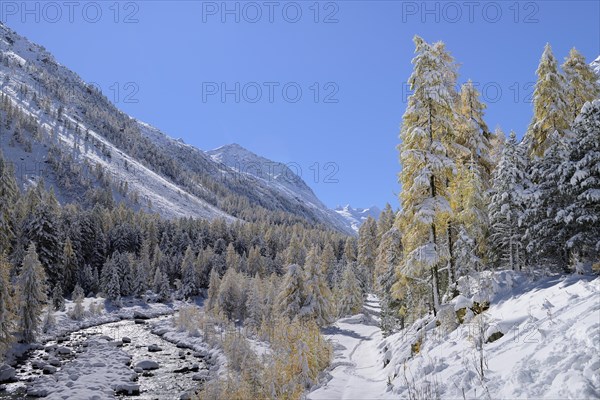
(165, 62)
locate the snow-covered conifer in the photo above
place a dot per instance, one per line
(318, 302)
(32, 294)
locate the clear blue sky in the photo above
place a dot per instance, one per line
(175, 51)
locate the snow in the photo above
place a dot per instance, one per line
(285, 179)
(548, 348)
(357, 216)
(147, 365)
(95, 374)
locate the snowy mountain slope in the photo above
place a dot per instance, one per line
(50, 94)
(357, 216)
(89, 148)
(596, 67)
(548, 347)
(278, 177)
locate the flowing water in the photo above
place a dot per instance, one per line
(169, 381)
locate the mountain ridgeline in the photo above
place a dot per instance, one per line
(88, 151)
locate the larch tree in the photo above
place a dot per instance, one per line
(318, 302)
(426, 137)
(469, 204)
(349, 294)
(350, 250)
(291, 293)
(229, 298)
(32, 294)
(211, 304)
(367, 249)
(389, 256)
(385, 221)
(295, 251)
(581, 82)
(550, 110)
(472, 133)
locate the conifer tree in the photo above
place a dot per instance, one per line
(350, 297)
(389, 256)
(385, 221)
(32, 294)
(472, 134)
(8, 197)
(189, 274)
(78, 309)
(349, 250)
(367, 248)
(140, 273)
(7, 317)
(229, 298)
(232, 259)
(295, 251)
(43, 230)
(550, 110)
(427, 134)
(317, 303)
(507, 206)
(545, 235)
(255, 265)
(581, 81)
(213, 291)
(327, 259)
(291, 294)
(469, 203)
(582, 186)
(58, 299)
(161, 285)
(254, 305)
(69, 266)
(111, 283)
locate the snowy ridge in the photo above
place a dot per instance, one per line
(357, 216)
(596, 66)
(276, 176)
(156, 193)
(145, 168)
(540, 340)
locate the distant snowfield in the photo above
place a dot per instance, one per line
(550, 347)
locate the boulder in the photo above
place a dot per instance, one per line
(7, 373)
(127, 389)
(126, 339)
(49, 370)
(154, 347)
(147, 365)
(54, 361)
(140, 315)
(63, 350)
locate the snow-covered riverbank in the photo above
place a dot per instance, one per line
(539, 340)
(115, 352)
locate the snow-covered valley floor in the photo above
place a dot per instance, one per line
(538, 339)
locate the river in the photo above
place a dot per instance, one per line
(177, 366)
